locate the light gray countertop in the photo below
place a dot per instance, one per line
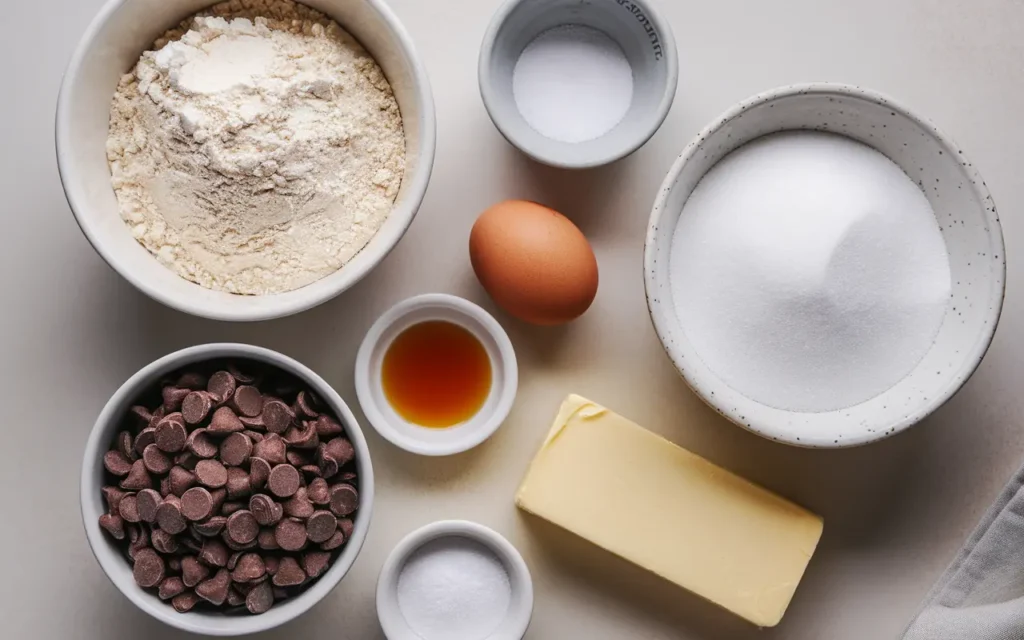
(895, 512)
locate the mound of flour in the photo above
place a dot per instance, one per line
(257, 149)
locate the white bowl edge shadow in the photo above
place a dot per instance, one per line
(109, 48)
(975, 247)
(112, 559)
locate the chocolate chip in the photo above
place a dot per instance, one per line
(284, 480)
(113, 496)
(230, 507)
(235, 546)
(171, 433)
(171, 587)
(219, 496)
(233, 560)
(341, 450)
(238, 483)
(156, 416)
(186, 460)
(196, 406)
(117, 463)
(224, 421)
(140, 542)
(140, 415)
(174, 564)
(255, 436)
(222, 386)
(147, 502)
(328, 465)
(215, 590)
(210, 527)
(310, 471)
(272, 449)
(267, 540)
(299, 505)
(200, 444)
(129, 508)
(169, 517)
(335, 541)
(155, 460)
(180, 480)
(302, 437)
(344, 499)
(163, 541)
(250, 568)
(347, 527)
(145, 438)
(191, 380)
(235, 449)
(149, 568)
(321, 526)
(315, 563)
(190, 544)
(253, 423)
(277, 416)
(173, 396)
(290, 535)
(318, 492)
(264, 509)
(241, 375)
(235, 598)
(298, 458)
(185, 602)
(247, 400)
(192, 571)
(196, 504)
(214, 553)
(289, 573)
(259, 473)
(327, 427)
(165, 486)
(114, 525)
(125, 445)
(260, 599)
(211, 473)
(304, 405)
(243, 527)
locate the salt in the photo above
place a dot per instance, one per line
(454, 589)
(809, 272)
(572, 84)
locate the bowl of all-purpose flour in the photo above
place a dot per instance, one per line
(249, 159)
(823, 267)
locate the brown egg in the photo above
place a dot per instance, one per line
(534, 262)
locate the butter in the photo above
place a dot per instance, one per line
(724, 538)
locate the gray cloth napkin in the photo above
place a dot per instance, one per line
(981, 595)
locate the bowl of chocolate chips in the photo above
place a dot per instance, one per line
(226, 489)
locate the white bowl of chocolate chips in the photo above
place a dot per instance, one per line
(226, 489)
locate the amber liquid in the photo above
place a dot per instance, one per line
(436, 374)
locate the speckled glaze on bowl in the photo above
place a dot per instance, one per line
(967, 218)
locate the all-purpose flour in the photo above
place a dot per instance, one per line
(257, 149)
(808, 271)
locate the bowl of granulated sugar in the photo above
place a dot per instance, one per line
(245, 161)
(824, 267)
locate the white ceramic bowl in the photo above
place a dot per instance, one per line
(520, 610)
(644, 36)
(423, 440)
(112, 45)
(112, 558)
(967, 218)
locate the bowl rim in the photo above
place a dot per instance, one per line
(416, 189)
(739, 412)
(98, 442)
(365, 386)
(517, 620)
(549, 155)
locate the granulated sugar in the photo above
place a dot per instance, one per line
(573, 84)
(454, 589)
(809, 272)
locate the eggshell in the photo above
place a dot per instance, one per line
(534, 262)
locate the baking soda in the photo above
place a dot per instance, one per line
(573, 84)
(809, 272)
(454, 589)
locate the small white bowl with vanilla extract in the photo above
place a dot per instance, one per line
(436, 375)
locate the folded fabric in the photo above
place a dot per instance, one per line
(981, 595)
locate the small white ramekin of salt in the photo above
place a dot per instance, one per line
(454, 580)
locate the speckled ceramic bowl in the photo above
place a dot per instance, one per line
(967, 218)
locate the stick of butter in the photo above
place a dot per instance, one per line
(693, 523)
